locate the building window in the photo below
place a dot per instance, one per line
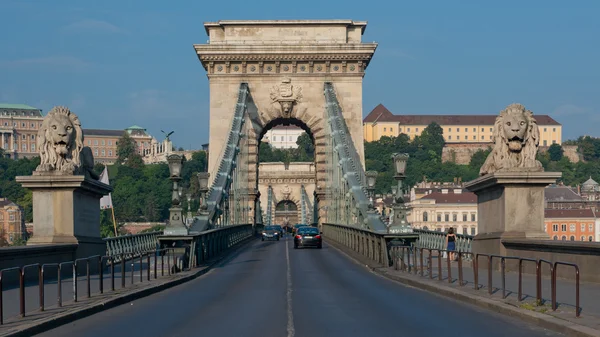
(553, 129)
(110, 142)
(572, 238)
(555, 237)
(439, 217)
(449, 137)
(465, 217)
(590, 238)
(95, 152)
(23, 137)
(22, 125)
(457, 130)
(553, 141)
(564, 238)
(482, 130)
(103, 153)
(400, 130)
(555, 227)
(449, 129)
(583, 227)
(33, 125)
(563, 227)
(384, 129)
(391, 130)
(102, 142)
(89, 142)
(572, 227)
(474, 137)
(490, 137)
(481, 137)
(110, 153)
(583, 238)
(11, 217)
(472, 230)
(454, 217)
(458, 137)
(545, 142)
(32, 147)
(24, 147)
(447, 217)
(408, 129)
(95, 142)
(473, 217)
(466, 129)
(417, 130)
(474, 130)
(32, 137)
(591, 227)
(544, 129)
(425, 217)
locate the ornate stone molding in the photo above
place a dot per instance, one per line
(283, 57)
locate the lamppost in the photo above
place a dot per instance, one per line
(176, 225)
(400, 209)
(189, 204)
(371, 179)
(203, 183)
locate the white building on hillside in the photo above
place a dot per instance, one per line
(283, 137)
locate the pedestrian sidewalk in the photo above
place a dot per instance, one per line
(589, 293)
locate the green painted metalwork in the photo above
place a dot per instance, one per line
(269, 216)
(305, 205)
(131, 246)
(437, 240)
(229, 195)
(346, 181)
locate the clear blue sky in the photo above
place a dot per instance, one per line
(119, 63)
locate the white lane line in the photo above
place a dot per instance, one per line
(290, 314)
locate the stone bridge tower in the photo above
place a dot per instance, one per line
(285, 64)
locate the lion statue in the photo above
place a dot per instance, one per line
(60, 144)
(516, 140)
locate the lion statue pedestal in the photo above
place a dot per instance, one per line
(510, 191)
(66, 193)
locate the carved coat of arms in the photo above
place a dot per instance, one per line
(284, 96)
(286, 191)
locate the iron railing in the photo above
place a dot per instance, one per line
(437, 240)
(130, 246)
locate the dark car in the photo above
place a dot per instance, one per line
(281, 230)
(271, 232)
(296, 226)
(308, 237)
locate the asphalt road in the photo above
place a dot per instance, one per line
(271, 289)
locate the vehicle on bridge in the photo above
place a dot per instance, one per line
(271, 232)
(308, 237)
(280, 230)
(296, 226)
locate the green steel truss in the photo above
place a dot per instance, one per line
(306, 207)
(269, 216)
(346, 181)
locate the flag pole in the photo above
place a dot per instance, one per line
(114, 221)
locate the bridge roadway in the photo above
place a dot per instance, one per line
(270, 289)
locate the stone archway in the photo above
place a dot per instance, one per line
(286, 213)
(285, 64)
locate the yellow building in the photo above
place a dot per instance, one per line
(457, 128)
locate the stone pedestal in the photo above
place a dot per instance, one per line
(66, 209)
(509, 205)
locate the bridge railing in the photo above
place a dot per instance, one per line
(367, 243)
(130, 246)
(437, 240)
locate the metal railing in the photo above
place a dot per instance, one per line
(402, 256)
(437, 240)
(370, 244)
(130, 246)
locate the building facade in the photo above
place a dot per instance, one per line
(472, 129)
(440, 210)
(12, 222)
(19, 125)
(104, 142)
(570, 224)
(283, 136)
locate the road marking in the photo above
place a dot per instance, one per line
(290, 314)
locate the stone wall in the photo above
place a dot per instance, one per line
(461, 153)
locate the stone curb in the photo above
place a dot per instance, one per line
(545, 321)
(65, 318)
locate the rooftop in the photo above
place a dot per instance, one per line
(452, 198)
(17, 106)
(5, 202)
(381, 114)
(105, 133)
(346, 22)
(561, 193)
(569, 213)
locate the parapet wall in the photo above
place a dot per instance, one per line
(461, 153)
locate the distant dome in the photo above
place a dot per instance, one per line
(589, 185)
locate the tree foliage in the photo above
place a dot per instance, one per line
(127, 152)
(555, 152)
(305, 152)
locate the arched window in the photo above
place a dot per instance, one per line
(555, 237)
(591, 238)
(425, 217)
(582, 238)
(564, 238)
(572, 238)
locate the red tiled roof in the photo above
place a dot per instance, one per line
(452, 198)
(382, 114)
(569, 213)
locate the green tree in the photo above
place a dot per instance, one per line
(556, 152)
(127, 153)
(306, 148)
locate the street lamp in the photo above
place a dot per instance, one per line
(399, 208)
(176, 225)
(203, 188)
(189, 202)
(371, 180)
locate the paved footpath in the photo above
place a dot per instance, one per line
(565, 291)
